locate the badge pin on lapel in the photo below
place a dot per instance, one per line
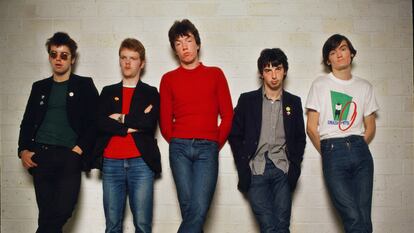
(116, 98)
(71, 94)
(288, 110)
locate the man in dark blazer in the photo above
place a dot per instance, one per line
(57, 134)
(268, 141)
(126, 146)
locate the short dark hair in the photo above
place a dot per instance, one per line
(332, 43)
(183, 28)
(274, 57)
(62, 38)
(134, 45)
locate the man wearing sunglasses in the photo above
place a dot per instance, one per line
(57, 133)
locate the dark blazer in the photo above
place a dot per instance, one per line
(245, 134)
(81, 102)
(110, 101)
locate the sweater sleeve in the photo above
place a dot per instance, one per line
(166, 112)
(225, 109)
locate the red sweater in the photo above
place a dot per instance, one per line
(123, 147)
(192, 100)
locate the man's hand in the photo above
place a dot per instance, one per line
(117, 116)
(312, 129)
(148, 109)
(131, 130)
(77, 150)
(26, 157)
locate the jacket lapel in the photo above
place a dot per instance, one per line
(45, 92)
(287, 112)
(257, 110)
(71, 94)
(117, 98)
(44, 95)
(137, 96)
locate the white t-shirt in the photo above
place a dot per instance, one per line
(341, 104)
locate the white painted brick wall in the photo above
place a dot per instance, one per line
(232, 33)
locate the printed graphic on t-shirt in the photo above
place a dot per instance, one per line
(342, 105)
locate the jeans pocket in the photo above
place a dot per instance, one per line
(211, 145)
(34, 157)
(37, 157)
(326, 149)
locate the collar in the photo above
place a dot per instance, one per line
(265, 97)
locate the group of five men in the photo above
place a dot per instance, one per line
(67, 127)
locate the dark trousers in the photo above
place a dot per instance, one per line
(57, 182)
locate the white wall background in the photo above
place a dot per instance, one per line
(232, 33)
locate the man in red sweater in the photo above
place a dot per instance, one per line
(192, 98)
(128, 116)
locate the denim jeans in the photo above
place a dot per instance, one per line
(271, 200)
(56, 181)
(194, 165)
(132, 177)
(348, 170)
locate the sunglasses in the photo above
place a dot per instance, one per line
(64, 55)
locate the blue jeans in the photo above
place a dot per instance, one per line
(194, 165)
(348, 170)
(271, 200)
(132, 177)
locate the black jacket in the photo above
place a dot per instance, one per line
(110, 101)
(81, 107)
(245, 134)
